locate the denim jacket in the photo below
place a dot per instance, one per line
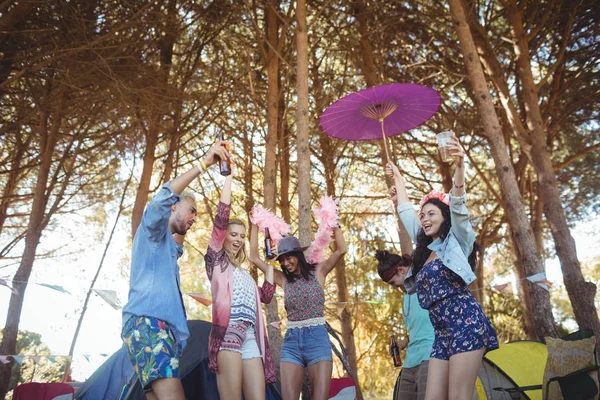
(154, 283)
(455, 249)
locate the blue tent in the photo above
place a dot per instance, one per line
(115, 379)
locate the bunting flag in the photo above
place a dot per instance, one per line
(540, 280)
(4, 359)
(18, 359)
(36, 359)
(502, 288)
(87, 357)
(340, 309)
(55, 287)
(201, 298)
(52, 359)
(275, 324)
(4, 283)
(109, 296)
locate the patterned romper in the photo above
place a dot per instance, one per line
(306, 340)
(458, 320)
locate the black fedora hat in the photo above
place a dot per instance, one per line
(289, 244)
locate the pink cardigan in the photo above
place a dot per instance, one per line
(220, 275)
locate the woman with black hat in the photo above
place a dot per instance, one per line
(306, 342)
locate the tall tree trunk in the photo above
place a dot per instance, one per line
(94, 279)
(270, 170)
(524, 294)
(302, 144)
(35, 226)
(524, 239)
(173, 144)
(329, 157)
(284, 162)
(157, 111)
(370, 74)
(342, 295)
(581, 293)
(14, 175)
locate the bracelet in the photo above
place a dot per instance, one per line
(202, 167)
(459, 187)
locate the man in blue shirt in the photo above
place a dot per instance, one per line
(154, 320)
(412, 384)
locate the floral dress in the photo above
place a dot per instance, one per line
(459, 323)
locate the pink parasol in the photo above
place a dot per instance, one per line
(380, 111)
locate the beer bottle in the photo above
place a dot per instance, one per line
(224, 165)
(268, 245)
(395, 350)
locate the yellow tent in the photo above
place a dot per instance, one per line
(514, 364)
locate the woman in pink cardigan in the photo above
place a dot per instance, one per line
(238, 349)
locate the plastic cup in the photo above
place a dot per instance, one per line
(443, 139)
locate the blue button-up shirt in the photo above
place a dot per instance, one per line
(456, 247)
(154, 283)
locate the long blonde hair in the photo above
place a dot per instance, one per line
(239, 258)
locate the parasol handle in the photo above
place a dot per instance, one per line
(384, 138)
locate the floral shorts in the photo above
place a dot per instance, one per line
(152, 349)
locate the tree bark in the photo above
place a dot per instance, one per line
(35, 226)
(581, 293)
(524, 239)
(372, 79)
(157, 111)
(342, 290)
(524, 294)
(270, 169)
(15, 174)
(94, 279)
(302, 144)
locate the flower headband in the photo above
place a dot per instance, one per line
(434, 194)
(235, 217)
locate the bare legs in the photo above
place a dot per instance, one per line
(253, 379)
(292, 376)
(235, 374)
(166, 389)
(461, 370)
(319, 375)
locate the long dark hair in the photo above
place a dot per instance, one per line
(422, 252)
(305, 267)
(389, 261)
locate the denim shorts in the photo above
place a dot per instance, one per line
(241, 338)
(306, 346)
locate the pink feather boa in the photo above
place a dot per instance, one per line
(264, 218)
(328, 219)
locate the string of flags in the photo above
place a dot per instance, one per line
(36, 359)
(109, 296)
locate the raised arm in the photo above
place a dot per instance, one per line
(405, 208)
(458, 186)
(459, 214)
(216, 152)
(341, 248)
(271, 274)
(222, 218)
(392, 170)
